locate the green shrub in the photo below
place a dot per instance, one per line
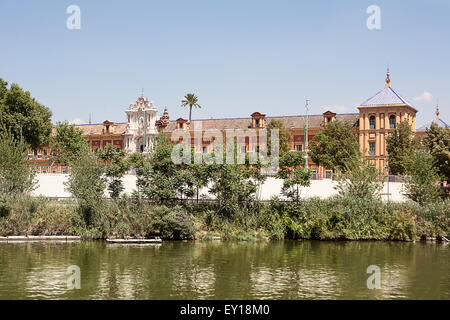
(434, 218)
(5, 208)
(172, 223)
(403, 226)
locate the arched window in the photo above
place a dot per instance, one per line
(372, 122)
(392, 122)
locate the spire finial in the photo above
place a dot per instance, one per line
(388, 79)
(437, 110)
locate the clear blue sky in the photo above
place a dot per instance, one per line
(238, 56)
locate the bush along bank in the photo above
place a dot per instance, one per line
(335, 218)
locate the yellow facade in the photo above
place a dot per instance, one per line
(378, 117)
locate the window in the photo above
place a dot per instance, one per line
(298, 147)
(107, 129)
(329, 119)
(257, 123)
(372, 148)
(243, 149)
(205, 149)
(256, 149)
(392, 122)
(372, 122)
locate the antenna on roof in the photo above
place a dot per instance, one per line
(437, 109)
(90, 118)
(306, 133)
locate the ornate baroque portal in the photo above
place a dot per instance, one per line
(141, 130)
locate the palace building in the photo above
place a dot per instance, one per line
(377, 117)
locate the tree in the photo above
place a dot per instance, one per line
(293, 174)
(400, 146)
(360, 180)
(116, 165)
(283, 136)
(16, 173)
(23, 116)
(233, 186)
(87, 183)
(68, 143)
(199, 175)
(158, 178)
(190, 100)
(437, 142)
(422, 184)
(336, 146)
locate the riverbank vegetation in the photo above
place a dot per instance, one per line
(322, 219)
(168, 203)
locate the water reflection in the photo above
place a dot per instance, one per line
(229, 270)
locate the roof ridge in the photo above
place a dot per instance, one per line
(289, 116)
(386, 97)
(378, 92)
(97, 124)
(400, 97)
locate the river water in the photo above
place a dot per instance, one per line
(226, 270)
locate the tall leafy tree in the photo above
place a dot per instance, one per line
(400, 146)
(360, 180)
(87, 183)
(190, 100)
(68, 142)
(16, 173)
(233, 186)
(335, 146)
(199, 176)
(437, 142)
(158, 178)
(24, 116)
(422, 184)
(116, 165)
(294, 175)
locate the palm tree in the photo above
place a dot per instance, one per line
(190, 100)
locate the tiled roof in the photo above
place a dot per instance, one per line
(440, 123)
(87, 129)
(290, 122)
(386, 97)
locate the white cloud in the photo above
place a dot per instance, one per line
(77, 121)
(424, 97)
(335, 108)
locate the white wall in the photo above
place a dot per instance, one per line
(52, 185)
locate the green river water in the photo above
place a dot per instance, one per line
(226, 270)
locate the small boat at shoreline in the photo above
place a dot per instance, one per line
(134, 240)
